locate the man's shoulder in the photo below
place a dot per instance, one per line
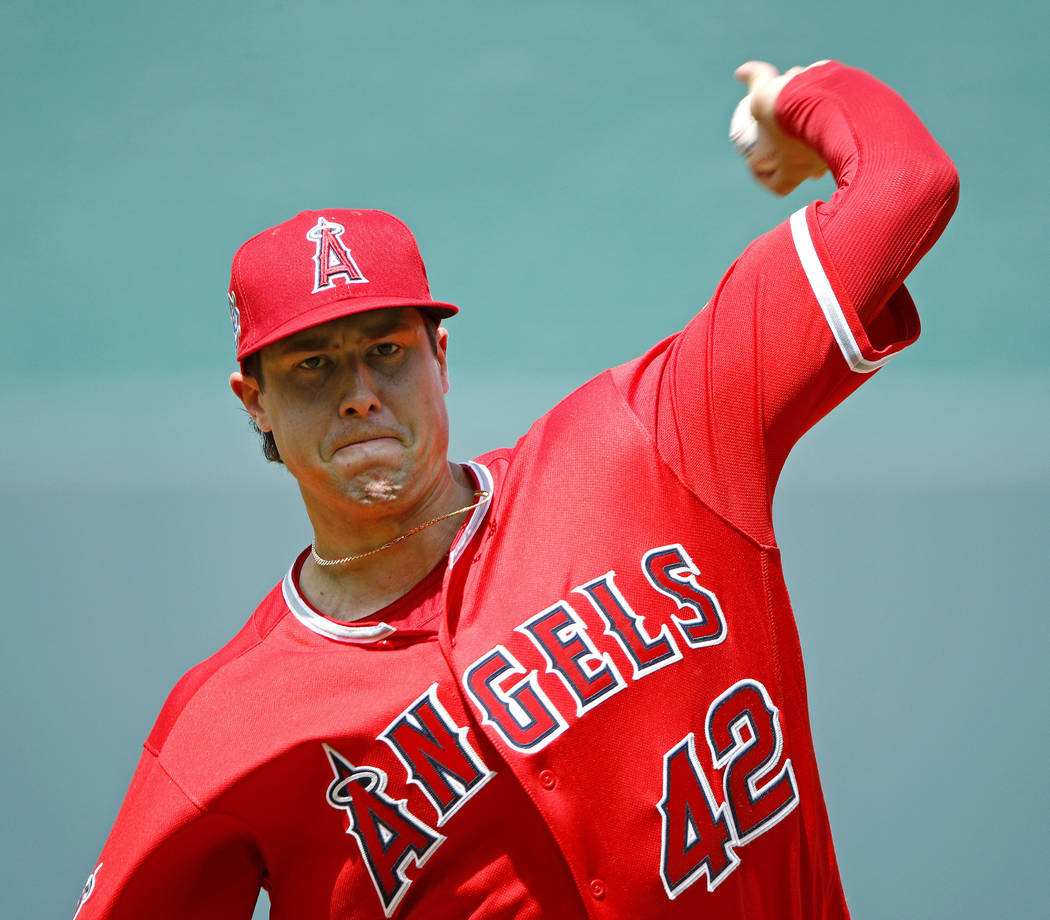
(202, 676)
(591, 435)
(593, 402)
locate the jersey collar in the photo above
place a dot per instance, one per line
(373, 632)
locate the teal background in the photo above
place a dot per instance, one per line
(565, 168)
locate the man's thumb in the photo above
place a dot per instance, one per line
(754, 73)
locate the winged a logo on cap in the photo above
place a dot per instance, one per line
(332, 257)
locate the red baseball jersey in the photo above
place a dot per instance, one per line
(595, 707)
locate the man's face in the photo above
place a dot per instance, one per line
(357, 407)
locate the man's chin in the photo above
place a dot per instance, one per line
(381, 491)
(375, 486)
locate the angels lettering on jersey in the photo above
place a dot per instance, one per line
(700, 827)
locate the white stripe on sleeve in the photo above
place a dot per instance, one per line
(829, 303)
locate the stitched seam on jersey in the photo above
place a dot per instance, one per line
(771, 618)
(192, 799)
(157, 751)
(656, 450)
(709, 374)
(205, 810)
(758, 355)
(276, 622)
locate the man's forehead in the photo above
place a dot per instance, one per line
(370, 324)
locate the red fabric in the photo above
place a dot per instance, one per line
(614, 688)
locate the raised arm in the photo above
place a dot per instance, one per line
(896, 187)
(810, 309)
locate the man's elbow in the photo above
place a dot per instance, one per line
(934, 186)
(919, 200)
(943, 183)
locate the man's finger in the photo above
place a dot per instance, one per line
(754, 73)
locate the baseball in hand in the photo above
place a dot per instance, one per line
(747, 135)
(776, 160)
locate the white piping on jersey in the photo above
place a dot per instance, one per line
(484, 478)
(829, 303)
(346, 632)
(341, 632)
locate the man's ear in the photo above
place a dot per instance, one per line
(441, 340)
(246, 388)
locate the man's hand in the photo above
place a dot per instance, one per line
(779, 162)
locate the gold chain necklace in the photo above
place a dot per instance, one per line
(481, 495)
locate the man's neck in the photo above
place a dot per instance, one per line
(356, 589)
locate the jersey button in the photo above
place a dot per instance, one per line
(547, 779)
(383, 643)
(597, 889)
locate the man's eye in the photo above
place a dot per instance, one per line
(387, 349)
(312, 363)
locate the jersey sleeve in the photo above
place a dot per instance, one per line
(168, 858)
(809, 310)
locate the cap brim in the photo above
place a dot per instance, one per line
(336, 309)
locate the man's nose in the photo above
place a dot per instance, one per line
(359, 395)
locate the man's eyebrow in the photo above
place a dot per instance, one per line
(314, 340)
(303, 342)
(384, 323)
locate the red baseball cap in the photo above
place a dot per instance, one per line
(321, 265)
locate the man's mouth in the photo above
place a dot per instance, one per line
(376, 438)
